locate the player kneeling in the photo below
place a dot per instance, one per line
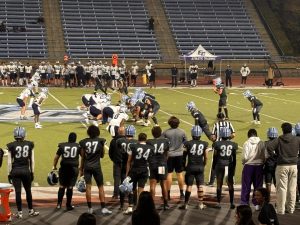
(225, 160)
(137, 167)
(158, 164)
(196, 152)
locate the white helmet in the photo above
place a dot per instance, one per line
(45, 90)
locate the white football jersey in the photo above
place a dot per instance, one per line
(117, 119)
(134, 70)
(24, 94)
(28, 69)
(40, 98)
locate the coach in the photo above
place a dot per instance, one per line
(286, 148)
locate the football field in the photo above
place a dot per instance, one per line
(280, 105)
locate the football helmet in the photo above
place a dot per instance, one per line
(45, 90)
(81, 185)
(196, 131)
(225, 132)
(130, 131)
(190, 106)
(272, 132)
(247, 94)
(30, 86)
(217, 81)
(52, 178)
(19, 132)
(297, 129)
(126, 186)
(123, 108)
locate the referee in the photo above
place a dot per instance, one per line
(222, 122)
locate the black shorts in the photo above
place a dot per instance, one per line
(155, 175)
(139, 178)
(175, 163)
(133, 77)
(57, 76)
(197, 175)
(93, 172)
(113, 77)
(87, 76)
(28, 75)
(43, 76)
(85, 101)
(68, 176)
(222, 102)
(20, 102)
(95, 111)
(152, 78)
(36, 109)
(72, 76)
(193, 76)
(220, 173)
(19, 177)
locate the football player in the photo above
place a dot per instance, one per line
(3, 74)
(137, 167)
(123, 146)
(12, 70)
(221, 91)
(196, 154)
(35, 79)
(68, 171)
(118, 121)
(93, 150)
(1, 156)
(225, 160)
(256, 106)
(200, 119)
(193, 69)
(151, 108)
(271, 161)
(20, 164)
(134, 73)
(158, 164)
(28, 71)
(39, 100)
(57, 76)
(22, 99)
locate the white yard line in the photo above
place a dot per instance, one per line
(248, 110)
(281, 99)
(62, 104)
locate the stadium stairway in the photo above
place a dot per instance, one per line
(162, 31)
(261, 29)
(55, 36)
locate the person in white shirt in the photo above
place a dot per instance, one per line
(38, 101)
(3, 74)
(118, 121)
(49, 72)
(88, 72)
(57, 74)
(114, 74)
(21, 69)
(28, 71)
(22, 99)
(42, 69)
(148, 68)
(193, 69)
(12, 69)
(134, 73)
(245, 71)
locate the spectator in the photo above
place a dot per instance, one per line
(270, 77)
(286, 147)
(66, 76)
(244, 215)
(193, 69)
(228, 73)
(152, 78)
(253, 157)
(40, 19)
(134, 73)
(20, 164)
(245, 71)
(80, 75)
(87, 219)
(151, 23)
(145, 212)
(176, 137)
(2, 27)
(267, 213)
(174, 73)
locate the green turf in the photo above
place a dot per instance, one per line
(279, 105)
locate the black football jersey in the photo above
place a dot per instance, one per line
(93, 150)
(123, 145)
(255, 101)
(69, 153)
(224, 152)
(161, 148)
(140, 155)
(199, 118)
(195, 153)
(21, 153)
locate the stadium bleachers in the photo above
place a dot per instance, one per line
(98, 29)
(221, 26)
(26, 44)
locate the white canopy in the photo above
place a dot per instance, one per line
(200, 53)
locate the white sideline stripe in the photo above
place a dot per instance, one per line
(63, 105)
(281, 99)
(272, 117)
(183, 121)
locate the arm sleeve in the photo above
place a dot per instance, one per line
(9, 163)
(32, 161)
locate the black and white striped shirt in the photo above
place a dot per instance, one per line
(218, 125)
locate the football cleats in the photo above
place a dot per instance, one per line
(190, 106)
(45, 90)
(81, 185)
(130, 131)
(225, 132)
(247, 94)
(126, 186)
(52, 178)
(272, 132)
(297, 129)
(19, 132)
(196, 131)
